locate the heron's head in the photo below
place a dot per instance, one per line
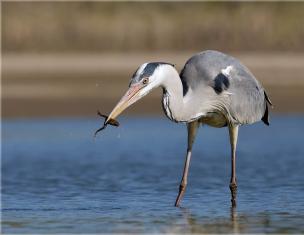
(147, 77)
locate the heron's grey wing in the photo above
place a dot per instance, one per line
(233, 86)
(248, 97)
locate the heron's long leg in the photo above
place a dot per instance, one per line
(192, 129)
(233, 133)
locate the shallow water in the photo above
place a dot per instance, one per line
(57, 179)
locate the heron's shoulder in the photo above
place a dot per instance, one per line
(205, 67)
(213, 60)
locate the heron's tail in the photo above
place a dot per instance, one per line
(267, 99)
(265, 117)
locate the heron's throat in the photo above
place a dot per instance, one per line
(174, 104)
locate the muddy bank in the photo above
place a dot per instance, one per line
(79, 84)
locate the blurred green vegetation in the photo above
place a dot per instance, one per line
(147, 26)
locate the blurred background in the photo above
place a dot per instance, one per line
(63, 61)
(72, 58)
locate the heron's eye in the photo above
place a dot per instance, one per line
(145, 81)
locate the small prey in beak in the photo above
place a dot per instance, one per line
(130, 97)
(107, 121)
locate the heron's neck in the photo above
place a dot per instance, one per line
(174, 103)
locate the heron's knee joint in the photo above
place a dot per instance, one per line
(233, 186)
(182, 186)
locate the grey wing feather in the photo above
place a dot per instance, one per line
(247, 99)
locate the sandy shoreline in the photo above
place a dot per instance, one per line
(79, 84)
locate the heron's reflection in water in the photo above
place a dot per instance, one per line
(192, 224)
(234, 220)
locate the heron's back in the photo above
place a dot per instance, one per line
(222, 81)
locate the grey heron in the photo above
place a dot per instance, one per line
(213, 88)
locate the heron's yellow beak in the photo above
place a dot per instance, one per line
(131, 96)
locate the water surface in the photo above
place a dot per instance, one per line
(57, 179)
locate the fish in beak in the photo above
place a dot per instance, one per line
(131, 96)
(111, 122)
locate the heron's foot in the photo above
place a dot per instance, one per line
(182, 189)
(233, 189)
